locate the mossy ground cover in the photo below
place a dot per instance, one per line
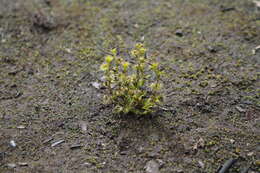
(50, 52)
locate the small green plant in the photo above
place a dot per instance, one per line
(132, 87)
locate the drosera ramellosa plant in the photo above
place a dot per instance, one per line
(132, 87)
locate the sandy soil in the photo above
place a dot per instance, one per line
(50, 52)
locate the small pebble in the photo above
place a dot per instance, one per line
(103, 78)
(12, 143)
(161, 162)
(250, 154)
(232, 141)
(212, 49)
(83, 126)
(258, 47)
(201, 164)
(240, 109)
(86, 164)
(21, 127)
(179, 33)
(22, 164)
(68, 50)
(11, 165)
(178, 170)
(152, 167)
(96, 85)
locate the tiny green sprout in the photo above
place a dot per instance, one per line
(153, 86)
(125, 65)
(139, 46)
(142, 51)
(134, 53)
(109, 58)
(104, 67)
(114, 52)
(154, 66)
(142, 60)
(130, 86)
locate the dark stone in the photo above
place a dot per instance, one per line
(179, 32)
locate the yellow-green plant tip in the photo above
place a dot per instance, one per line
(109, 58)
(125, 65)
(156, 86)
(154, 66)
(114, 51)
(142, 51)
(152, 85)
(142, 60)
(160, 86)
(139, 45)
(104, 67)
(134, 53)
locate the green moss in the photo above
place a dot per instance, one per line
(204, 84)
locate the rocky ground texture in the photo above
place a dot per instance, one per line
(51, 115)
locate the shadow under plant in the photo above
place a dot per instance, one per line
(49, 58)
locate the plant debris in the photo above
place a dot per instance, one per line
(22, 164)
(227, 165)
(76, 146)
(57, 143)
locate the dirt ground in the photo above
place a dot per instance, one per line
(50, 52)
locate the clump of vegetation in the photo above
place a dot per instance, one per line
(133, 87)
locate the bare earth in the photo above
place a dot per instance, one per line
(50, 52)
